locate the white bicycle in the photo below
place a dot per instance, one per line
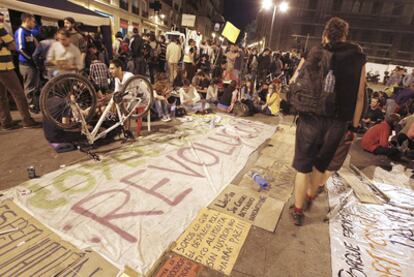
(69, 101)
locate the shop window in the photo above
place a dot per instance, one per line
(135, 7)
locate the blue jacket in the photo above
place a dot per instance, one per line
(25, 44)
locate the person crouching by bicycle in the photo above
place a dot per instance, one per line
(63, 56)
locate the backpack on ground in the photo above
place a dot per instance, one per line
(313, 91)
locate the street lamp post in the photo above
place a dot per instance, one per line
(282, 7)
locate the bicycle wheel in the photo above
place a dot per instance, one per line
(136, 96)
(58, 94)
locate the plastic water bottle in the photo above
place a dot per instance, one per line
(213, 123)
(173, 108)
(260, 180)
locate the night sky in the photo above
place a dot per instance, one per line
(241, 12)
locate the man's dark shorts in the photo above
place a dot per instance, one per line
(317, 139)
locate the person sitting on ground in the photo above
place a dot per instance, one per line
(399, 99)
(272, 106)
(212, 92)
(374, 114)
(227, 100)
(160, 100)
(201, 83)
(405, 137)
(376, 139)
(191, 100)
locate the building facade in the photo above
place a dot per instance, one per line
(385, 29)
(127, 14)
(208, 13)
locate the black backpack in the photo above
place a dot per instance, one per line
(136, 46)
(313, 91)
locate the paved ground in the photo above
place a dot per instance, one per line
(290, 251)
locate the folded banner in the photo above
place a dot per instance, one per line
(370, 240)
(134, 203)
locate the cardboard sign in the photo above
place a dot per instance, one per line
(230, 32)
(188, 20)
(213, 239)
(177, 266)
(248, 205)
(29, 248)
(361, 186)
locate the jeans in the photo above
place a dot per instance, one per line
(195, 107)
(162, 108)
(31, 84)
(10, 82)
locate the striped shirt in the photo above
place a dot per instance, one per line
(6, 58)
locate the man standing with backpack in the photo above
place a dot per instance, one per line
(328, 92)
(136, 47)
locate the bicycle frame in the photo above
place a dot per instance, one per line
(94, 135)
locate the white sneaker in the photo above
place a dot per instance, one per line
(165, 119)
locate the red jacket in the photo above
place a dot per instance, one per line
(376, 136)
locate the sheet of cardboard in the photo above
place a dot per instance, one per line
(28, 248)
(177, 266)
(213, 239)
(361, 186)
(249, 205)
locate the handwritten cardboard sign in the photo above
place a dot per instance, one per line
(248, 205)
(213, 239)
(177, 266)
(28, 248)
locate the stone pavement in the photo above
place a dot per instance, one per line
(289, 251)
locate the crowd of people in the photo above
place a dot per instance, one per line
(187, 78)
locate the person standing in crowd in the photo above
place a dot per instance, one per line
(40, 54)
(263, 67)
(239, 63)
(136, 46)
(162, 55)
(26, 46)
(173, 56)
(116, 46)
(9, 81)
(317, 137)
(76, 38)
(189, 59)
(63, 55)
(206, 49)
(152, 60)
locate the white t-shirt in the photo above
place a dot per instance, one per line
(70, 55)
(119, 83)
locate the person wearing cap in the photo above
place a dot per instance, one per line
(9, 81)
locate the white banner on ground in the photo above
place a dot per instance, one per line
(134, 203)
(370, 240)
